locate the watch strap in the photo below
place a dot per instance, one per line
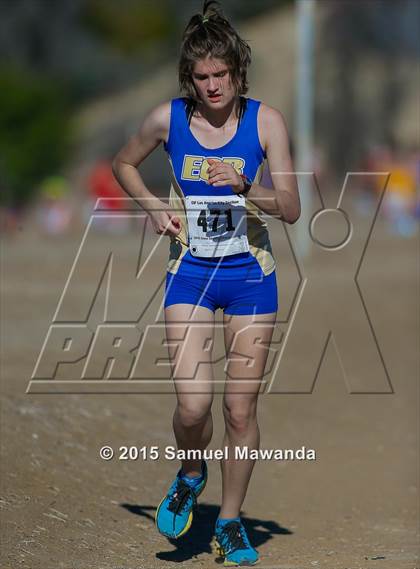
(247, 184)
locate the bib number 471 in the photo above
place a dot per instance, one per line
(202, 219)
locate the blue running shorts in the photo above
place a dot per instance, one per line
(233, 296)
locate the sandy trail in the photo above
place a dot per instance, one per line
(354, 507)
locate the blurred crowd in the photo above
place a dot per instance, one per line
(56, 212)
(400, 205)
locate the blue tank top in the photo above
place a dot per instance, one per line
(188, 160)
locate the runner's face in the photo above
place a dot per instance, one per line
(212, 81)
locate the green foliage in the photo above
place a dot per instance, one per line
(34, 132)
(128, 25)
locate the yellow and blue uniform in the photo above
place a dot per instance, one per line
(240, 283)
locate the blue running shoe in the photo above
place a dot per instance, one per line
(174, 514)
(232, 543)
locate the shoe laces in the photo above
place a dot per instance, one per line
(232, 536)
(179, 499)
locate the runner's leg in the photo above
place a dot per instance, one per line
(247, 340)
(190, 333)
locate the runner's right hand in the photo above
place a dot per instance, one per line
(165, 222)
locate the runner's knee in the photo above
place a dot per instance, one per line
(239, 415)
(193, 413)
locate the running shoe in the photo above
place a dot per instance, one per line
(232, 543)
(174, 514)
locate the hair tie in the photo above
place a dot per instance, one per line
(204, 20)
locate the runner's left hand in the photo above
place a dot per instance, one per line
(221, 174)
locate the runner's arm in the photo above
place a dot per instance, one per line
(151, 133)
(285, 203)
(282, 203)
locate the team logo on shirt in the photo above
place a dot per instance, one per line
(194, 168)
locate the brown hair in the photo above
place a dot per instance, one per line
(211, 34)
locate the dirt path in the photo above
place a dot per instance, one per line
(354, 507)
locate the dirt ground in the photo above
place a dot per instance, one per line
(355, 507)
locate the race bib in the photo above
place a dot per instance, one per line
(217, 226)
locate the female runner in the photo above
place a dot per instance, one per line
(220, 257)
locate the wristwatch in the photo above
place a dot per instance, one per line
(247, 185)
